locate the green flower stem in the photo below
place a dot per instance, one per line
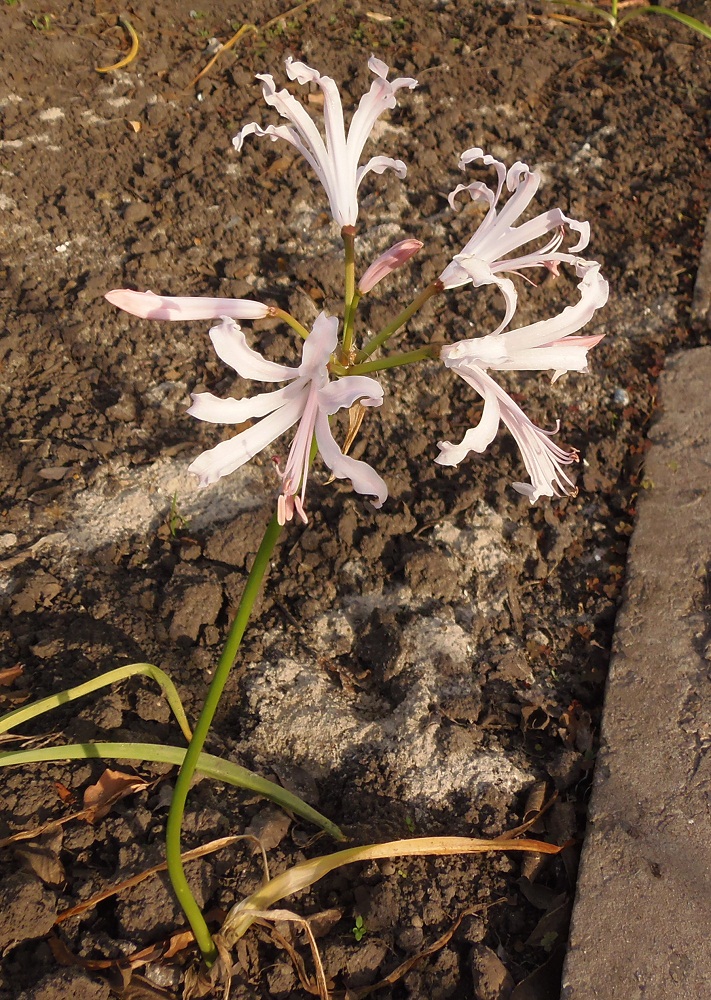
(21, 715)
(401, 319)
(288, 318)
(395, 360)
(207, 764)
(348, 235)
(182, 785)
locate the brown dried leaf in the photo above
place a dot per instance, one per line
(42, 858)
(111, 787)
(9, 675)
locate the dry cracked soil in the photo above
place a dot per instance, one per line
(413, 671)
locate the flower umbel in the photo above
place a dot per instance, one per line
(484, 257)
(308, 400)
(336, 159)
(540, 346)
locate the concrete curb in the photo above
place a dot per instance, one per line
(640, 928)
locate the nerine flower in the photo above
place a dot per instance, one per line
(540, 346)
(336, 159)
(485, 257)
(308, 400)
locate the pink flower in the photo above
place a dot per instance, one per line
(148, 305)
(308, 400)
(484, 257)
(540, 346)
(336, 159)
(387, 262)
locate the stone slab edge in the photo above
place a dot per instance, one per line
(641, 927)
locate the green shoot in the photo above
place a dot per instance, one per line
(359, 930)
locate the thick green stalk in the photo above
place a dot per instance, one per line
(401, 319)
(288, 318)
(177, 806)
(396, 360)
(348, 235)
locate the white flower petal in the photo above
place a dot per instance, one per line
(365, 479)
(480, 273)
(318, 347)
(231, 347)
(214, 410)
(148, 305)
(229, 456)
(344, 393)
(594, 291)
(480, 437)
(379, 164)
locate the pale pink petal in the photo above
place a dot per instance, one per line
(230, 455)
(148, 305)
(476, 438)
(365, 479)
(480, 273)
(544, 460)
(318, 347)
(344, 393)
(379, 98)
(594, 291)
(231, 347)
(215, 410)
(379, 164)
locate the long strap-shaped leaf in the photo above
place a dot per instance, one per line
(170, 691)
(209, 765)
(301, 876)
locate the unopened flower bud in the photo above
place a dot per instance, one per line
(387, 262)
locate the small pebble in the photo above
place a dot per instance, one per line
(621, 397)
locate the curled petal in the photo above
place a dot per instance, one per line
(148, 305)
(365, 479)
(214, 410)
(480, 273)
(344, 393)
(476, 438)
(319, 346)
(379, 164)
(543, 458)
(231, 347)
(594, 291)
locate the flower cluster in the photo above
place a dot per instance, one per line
(328, 380)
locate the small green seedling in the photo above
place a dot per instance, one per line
(176, 522)
(43, 22)
(410, 824)
(359, 930)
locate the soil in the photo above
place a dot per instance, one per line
(412, 671)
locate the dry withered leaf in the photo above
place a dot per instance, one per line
(42, 858)
(9, 675)
(109, 789)
(534, 804)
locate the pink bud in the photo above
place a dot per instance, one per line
(148, 305)
(387, 262)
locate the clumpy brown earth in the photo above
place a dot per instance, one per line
(409, 672)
